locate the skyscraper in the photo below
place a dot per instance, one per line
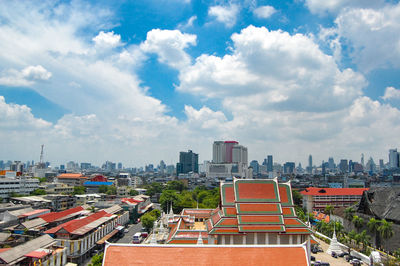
(256, 167)
(331, 163)
(188, 162)
(393, 158)
(309, 168)
(270, 163)
(343, 166)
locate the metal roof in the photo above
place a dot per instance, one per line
(113, 209)
(86, 228)
(34, 223)
(17, 253)
(4, 236)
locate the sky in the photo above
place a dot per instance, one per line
(139, 81)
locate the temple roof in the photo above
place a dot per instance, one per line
(117, 254)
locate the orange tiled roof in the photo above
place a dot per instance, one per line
(315, 191)
(54, 216)
(71, 175)
(205, 255)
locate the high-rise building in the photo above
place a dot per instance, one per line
(288, 167)
(310, 165)
(343, 166)
(256, 167)
(393, 158)
(119, 166)
(1, 164)
(162, 167)
(188, 162)
(351, 166)
(381, 164)
(331, 163)
(85, 166)
(219, 152)
(270, 163)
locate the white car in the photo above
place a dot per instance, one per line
(126, 230)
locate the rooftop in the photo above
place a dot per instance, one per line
(71, 175)
(315, 191)
(205, 255)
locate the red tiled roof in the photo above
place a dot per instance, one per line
(205, 255)
(227, 222)
(288, 211)
(53, 216)
(70, 175)
(191, 234)
(256, 190)
(258, 208)
(315, 191)
(131, 200)
(36, 254)
(229, 211)
(227, 194)
(4, 249)
(260, 219)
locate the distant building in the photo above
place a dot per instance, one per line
(86, 166)
(119, 166)
(270, 163)
(393, 158)
(343, 166)
(23, 186)
(331, 163)
(256, 167)
(188, 162)
(316, 199)
(229, 159)
(310, 165)
(72, 179)
(288, 167)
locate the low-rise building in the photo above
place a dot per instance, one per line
(59, 188)
(316, 199)
(24, 186)
(39, 251)
(72, 179)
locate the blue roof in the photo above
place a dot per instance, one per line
(97, 183)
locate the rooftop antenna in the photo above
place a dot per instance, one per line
(41, 154)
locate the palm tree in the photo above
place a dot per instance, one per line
(358, 222)
(329, 209)
(364, 239)
(385, 229)
(352, 235)
(373, 225)
(349, 213)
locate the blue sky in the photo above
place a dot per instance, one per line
(139, 81)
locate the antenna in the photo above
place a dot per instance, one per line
(41, 155)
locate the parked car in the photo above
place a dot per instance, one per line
(144, 234)
(312, 258)
(137, 238)
(356, 262)
(126, 230)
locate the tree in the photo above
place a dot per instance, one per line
(349, 213)
(297, 198)
(156, 213)
(385, 229)
(148, 221)
(364, 239)
(111, 190)
(153, 188)
(175, 185)
(103, 189)
(79, 190)
(373, 225)
(133, 192)
(358, 222)
(97, 260)
(38, 192)
(41, 179)
(329, 209)
(168, 197)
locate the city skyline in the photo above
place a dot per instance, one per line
(138, 82)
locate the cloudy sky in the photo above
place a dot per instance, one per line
(139, 81)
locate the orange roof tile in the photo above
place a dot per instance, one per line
(256, 190)
(204, 255)
(227, 194)
(261, 228)
(315, 191)
(227, 222)
(258, 208)
(288, 211)
(260, 219)
(229, 211)
(71, 175)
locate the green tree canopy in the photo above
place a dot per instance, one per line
(133, 192)
(349, 213)
(79, 190)
(103, 189)
(38, 192)
(329, 209)
(97, 260)
(358, 222)
(385, 229)
(148, 221)
(175, 185)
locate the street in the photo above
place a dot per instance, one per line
(133, 228)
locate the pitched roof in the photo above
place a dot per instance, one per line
(315, 191)
(205, 255)
(35, 212)
(57, 216)
(17, 253)
(71, 175)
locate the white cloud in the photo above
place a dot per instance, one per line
(370, 34)
(391, 93)
(323, 7)
(26, 77)
(107, 40)
(169, 45)
(188, 24)
(264, 11)
(273, 70)
(225, 14)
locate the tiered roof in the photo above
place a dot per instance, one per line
(255, 206)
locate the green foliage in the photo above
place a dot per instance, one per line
(103, 189)
(97, 260)
(156, 213)
(297, 198)
(349, 213)
(175, 185)
(148, 221)
(38, 192)
(111, 190)
(358, 222)
(133, 192)
(153, 188)
(385, 229)
(14, 195)
(41, 179)
(79, 190)
(329, 209)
